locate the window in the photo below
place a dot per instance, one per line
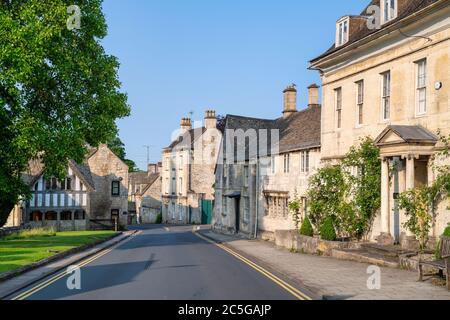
(48, 184)
(421, 93)
(115, 188)
(389, 10)
(246, 176)
(68, 184)
(360, 102)
(174, 186)
(386, 96)
(246, 209)
(287, 164)
(305, 161)
(180, 186)
(277, 205)
(181, 163)
(342, 32)
(167, 185)
(338, 93)
(304, 202)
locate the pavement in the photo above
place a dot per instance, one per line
(166, 263)
(335, 279)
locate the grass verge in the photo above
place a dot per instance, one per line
(30, 246)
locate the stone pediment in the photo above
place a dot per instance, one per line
(393, 135)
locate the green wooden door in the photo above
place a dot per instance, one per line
(207, 207)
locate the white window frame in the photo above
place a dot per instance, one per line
(421, 87)
(246, 175)
(305, 157)
(390, 15)
(360, 92)
(274, 164)
(338, 107)
(180, 187)
(342, 31)
(287, 163)
(386, 96)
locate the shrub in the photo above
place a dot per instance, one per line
(306, 228)
(327, 231)
(159, 219)
(438, 246)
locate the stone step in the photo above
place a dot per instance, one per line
(365, 256)
(390, 251)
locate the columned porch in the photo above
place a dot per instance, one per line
(407, 154)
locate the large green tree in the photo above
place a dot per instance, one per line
(59, 90)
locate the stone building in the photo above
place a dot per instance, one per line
(91, 196)
(145, 194)
(188, 172)
(253, 191)
(388, 77)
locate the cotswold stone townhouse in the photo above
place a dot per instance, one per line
(188, 172)
(277, 157)
(92, 195)
(388, 77)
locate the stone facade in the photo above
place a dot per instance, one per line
(92, 194)
(252, 195)
(188, 171)
(394, 87)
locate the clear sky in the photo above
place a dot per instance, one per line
(234, 56)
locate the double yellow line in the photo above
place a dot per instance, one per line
(294, 291)
(45, 284)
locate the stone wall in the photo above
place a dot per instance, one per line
(106, 167)
(60, 226)
(292, 240)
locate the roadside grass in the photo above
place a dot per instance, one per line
(30, 246)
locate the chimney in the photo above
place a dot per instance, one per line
(186, 125)
(313, 95)
(152, 168)
(290, 101)
(210, 119)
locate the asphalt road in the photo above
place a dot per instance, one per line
(162, 263)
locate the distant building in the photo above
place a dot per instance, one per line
(91, 196)
(188, 172)
(145, 194)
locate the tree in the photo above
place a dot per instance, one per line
(118, 148)
(59, 90)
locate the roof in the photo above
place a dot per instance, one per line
(187, 139)
(152, 179)
(299, 131)
(36, 170)
(409, 134)
(411, 7)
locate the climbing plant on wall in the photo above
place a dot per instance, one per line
(348, 193)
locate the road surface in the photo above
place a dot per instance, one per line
(166, 263)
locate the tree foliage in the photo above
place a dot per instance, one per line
(59, 90)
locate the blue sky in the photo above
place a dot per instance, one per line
(234, 56)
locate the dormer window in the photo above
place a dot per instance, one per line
(389, 9)
(342, 31)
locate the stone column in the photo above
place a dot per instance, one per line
(431, 177)
(385, 196)
(410, 173)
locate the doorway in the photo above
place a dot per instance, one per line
(238, 214)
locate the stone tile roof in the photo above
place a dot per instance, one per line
(412, 7)
(152, 179)
(187, 139)
(84, 173)
(297, 132)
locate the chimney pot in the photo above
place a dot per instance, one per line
(210, 119)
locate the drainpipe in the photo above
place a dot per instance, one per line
(257, 198)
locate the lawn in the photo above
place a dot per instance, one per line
(25, 248)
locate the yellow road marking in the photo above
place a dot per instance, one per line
(292, 290)
(59, 276)
(62, 274)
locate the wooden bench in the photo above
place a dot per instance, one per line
(443, 264)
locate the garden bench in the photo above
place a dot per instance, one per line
(443, 264)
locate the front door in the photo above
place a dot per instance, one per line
(238, 214)
(206, 211)
(396, 192)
